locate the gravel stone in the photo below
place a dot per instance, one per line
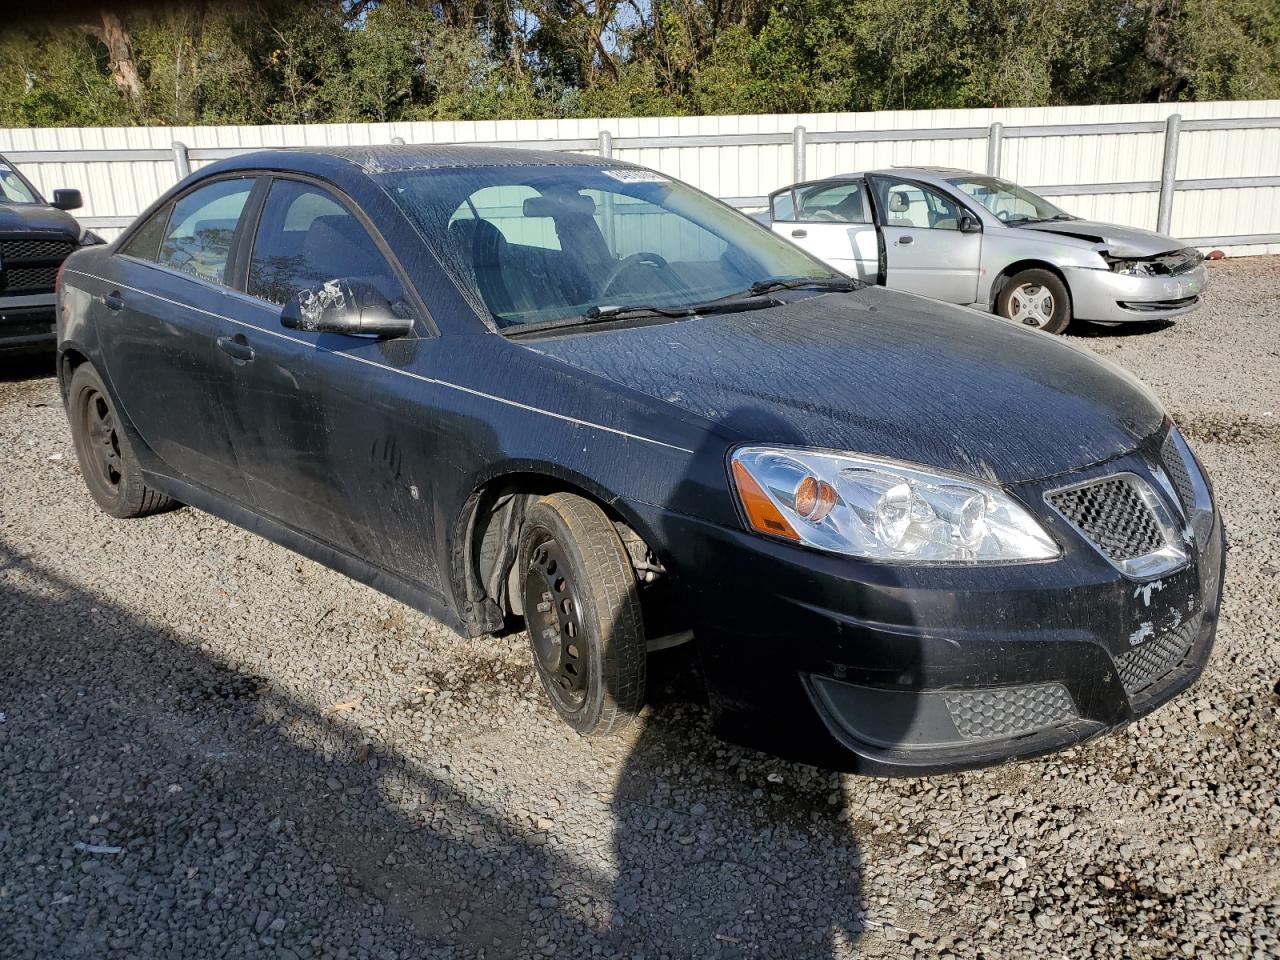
(174, 688)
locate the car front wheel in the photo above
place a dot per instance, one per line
(582, 611)
(1036, 298)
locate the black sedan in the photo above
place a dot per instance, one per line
(502, 385)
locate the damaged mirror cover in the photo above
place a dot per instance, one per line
(349, 307)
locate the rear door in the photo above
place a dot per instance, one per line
(163, 317)
(831, 220)
(925, 250)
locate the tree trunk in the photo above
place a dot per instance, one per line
(115, 37)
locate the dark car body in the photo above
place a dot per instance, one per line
(394, 460)
(35, 237)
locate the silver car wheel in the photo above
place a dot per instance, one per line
(1032, 304)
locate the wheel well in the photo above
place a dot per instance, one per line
(70, 360)
(1017, 267)
(486, 540)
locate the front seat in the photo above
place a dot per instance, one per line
(899, 204)
(484, 248)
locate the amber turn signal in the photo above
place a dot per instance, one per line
(761, 513)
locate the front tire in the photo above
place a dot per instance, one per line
(110, 470)
(582, 611)
(1036, 298)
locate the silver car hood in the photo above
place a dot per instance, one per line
(1119, 241)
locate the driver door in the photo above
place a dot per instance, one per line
(926, 252)
(323, 424)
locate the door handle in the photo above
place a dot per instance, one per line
(237, 348)
(904, 241)
(114, 300)
(799, 233)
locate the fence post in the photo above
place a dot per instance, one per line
(181, 162)
(606, 144)
(1168, 173)
(797, 153)
(995, 137)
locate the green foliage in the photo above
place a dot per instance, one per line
(275, 61)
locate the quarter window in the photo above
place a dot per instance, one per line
(198, 238)
(306, 237)
(145, 242)
(905, 204)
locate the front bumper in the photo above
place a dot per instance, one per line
(1107, 297)
(903, 670)
(27, 323)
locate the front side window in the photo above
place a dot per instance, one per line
(832, 203)
(307, 237)
(530, 244)
(198, 238)
(1008, 201)
(906, 204)
(13, 189)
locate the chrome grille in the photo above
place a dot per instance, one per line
(28, 278)
(1179, 475)
(1009, 711)
(35, 249)
(1113, 517)
(1151, 662)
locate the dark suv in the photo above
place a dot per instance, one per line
(35, 237)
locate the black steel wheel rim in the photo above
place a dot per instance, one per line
(102, 440)
(554, 618)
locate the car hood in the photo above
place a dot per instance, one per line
(883, 373)
(21, 217)
(1119, 241)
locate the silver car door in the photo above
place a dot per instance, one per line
(831, 220)
(926, 250)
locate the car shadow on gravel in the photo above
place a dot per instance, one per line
(159, 801)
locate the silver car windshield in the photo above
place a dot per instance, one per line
(12, 187)
(541, 244)
(1008, 201)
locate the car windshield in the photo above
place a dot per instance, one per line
(534, 245)
(1008, 201)
(13, 189)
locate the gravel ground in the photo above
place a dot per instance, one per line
(211, 747)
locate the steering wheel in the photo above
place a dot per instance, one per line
(626, 264)
(1003, 216)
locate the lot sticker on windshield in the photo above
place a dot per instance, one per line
(636, 176)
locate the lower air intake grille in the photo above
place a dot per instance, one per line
(1009, 711)
(1176, 467)
(1113, 517)
(1149, 663)
(28, 278)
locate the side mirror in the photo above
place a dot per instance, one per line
(67, 200)
(969, 224)
(349, 307)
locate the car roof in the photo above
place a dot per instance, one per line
(922, 172)
(389, 158)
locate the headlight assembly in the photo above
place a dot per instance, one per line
(882, 510)
(1132, 268)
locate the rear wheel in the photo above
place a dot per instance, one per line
(110, 470)
(1036, 298)
(582, 610)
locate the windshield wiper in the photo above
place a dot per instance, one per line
(841, 284)
(1056, 216)
(605, 314)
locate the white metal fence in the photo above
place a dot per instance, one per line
(1206, 172)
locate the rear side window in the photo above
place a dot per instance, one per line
(145, 242)
(306, 237)
(832, 203)
(198, 238)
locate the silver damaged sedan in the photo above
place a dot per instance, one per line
(984, 242)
